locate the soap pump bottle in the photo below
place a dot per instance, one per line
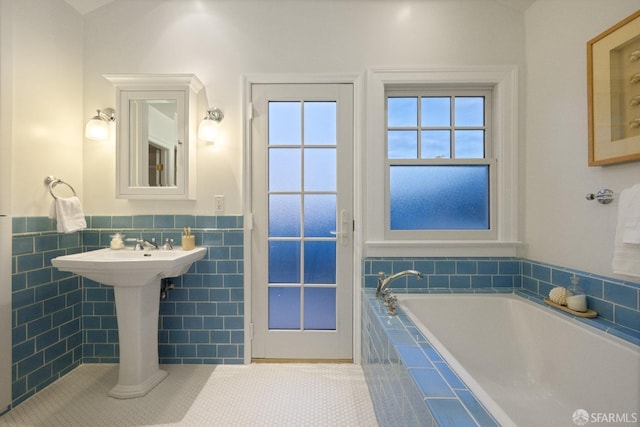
(577, 299)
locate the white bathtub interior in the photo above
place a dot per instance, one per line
(528, 365)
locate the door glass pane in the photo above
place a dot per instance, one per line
(320, 261)
(402, 112)
(402, 144)
(319, 215)
(284, 215)
(284, 307)
(436, 111)
(469, 144)
(439, 197)
(436, 144)
(284, 123)
(320, 169)
(320, 308)
(469, 111)
(320, 123)
(284, 261)
(284, 169)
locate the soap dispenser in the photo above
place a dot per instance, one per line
(577, 300)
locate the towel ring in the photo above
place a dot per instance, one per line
(52, 181)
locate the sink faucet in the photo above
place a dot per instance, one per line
(384, 280)
(142, 244)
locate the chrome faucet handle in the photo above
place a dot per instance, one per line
(386, 296)
(393, 300)
(168, 244)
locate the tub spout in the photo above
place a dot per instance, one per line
(384, 280)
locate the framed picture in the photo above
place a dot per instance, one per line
(613, 93)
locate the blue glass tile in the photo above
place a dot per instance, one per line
(450, 412)
(201, 337)
(509, 267)
(233, 280)
(233, 322)
(178, 336)
(230, 309)
(163, 221)
(541, 273)
(192, 322)
(54, 304)
(39, 223)
(400, 337)
(228, 221)
(122, 221)
(480, 281)
(425, 267)
(466, 267)
(30, 262)
(487, 267)
(622, 295)
(414, 357)
(627, 318)
(30, 364)
(18, 281)
(186, 350)
(203, 308)
(225, 267)
(502, 281)
(227, 350)
(233, 238)
(46, 243)
(450, 377)
(206, 350)
(206, 222)
(29, 313)
(211, 322)
(172, 322)
(22, 245)
(100, 221)
(23, 350)
(23, 298)
(182, 221)
(221, 337)
(143, 221)
(39, 277)
(40, 377)
(18, 225)
(430, 382)
(237, 337)
(438, 281)
(460, 281)
(54, 351)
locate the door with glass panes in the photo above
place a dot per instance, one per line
(302, 198)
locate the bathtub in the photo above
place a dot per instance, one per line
(528, 365)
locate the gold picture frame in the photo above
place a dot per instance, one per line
(613, 93)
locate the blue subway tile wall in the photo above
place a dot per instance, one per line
(446, 274)
(61, 320)
(202, 319)
(46, 307)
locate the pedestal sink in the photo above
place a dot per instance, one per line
(135, 276)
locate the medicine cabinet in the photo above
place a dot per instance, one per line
(156, 135)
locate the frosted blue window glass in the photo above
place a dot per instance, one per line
(402, 144)
(285, 123)
(319, 215)
(469, 111)
(320, 261)
(284, 215)
(436, 144)
(436, 111)
(284, 261)
(439, 197)
(402, 112)
(320, 169)
(284, 307)
(320, 308)
(284, 169)
(320, 123)
(469, 144)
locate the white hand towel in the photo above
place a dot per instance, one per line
(68, 214)
(626, 251)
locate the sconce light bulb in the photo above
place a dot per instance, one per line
(208, 128)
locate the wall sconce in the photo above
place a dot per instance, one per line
(98, 127)
(208, 129)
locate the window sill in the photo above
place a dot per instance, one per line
(441, 248)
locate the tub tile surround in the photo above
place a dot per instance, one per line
(60, 320)
(397, 357)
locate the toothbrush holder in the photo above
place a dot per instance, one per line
(188, 242)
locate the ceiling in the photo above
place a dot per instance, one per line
(86, 6)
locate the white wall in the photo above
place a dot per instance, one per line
(222, 40)
(562, 227)
(46, 113)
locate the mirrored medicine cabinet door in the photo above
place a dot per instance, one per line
(156, 138)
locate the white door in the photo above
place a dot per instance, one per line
(302, 201)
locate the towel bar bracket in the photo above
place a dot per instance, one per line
(604, 196)
(52, 181)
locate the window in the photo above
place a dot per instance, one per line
(438, 164)
(445, 134)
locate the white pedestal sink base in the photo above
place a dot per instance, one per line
(137, 310)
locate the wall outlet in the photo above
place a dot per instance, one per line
(218, 205)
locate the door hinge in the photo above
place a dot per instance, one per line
(250, 111)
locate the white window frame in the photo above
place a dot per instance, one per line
(504, 123)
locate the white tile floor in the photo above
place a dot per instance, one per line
(206, 395)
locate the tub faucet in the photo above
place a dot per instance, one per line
(384, 280)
